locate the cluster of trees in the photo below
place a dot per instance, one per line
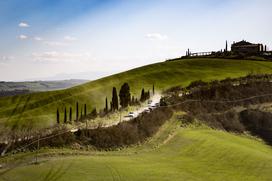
(144, 95)
(79, 117)
(123, 100)
(221, 98)
(258, 122)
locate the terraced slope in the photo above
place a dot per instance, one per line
(175, 153)
(39, 109)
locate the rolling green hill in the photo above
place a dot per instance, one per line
(39, 109)
(20, 88)
(174, 153)
(38, 86)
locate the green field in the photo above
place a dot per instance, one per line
(38, 110)
(174, 153)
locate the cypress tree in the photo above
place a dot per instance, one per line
(142, 95)
(85, 110)
(153, 90)
(115, 104)
(111, 108)
(70, 114)
(124, 95)
(145, 96)
(77, 111)
(132, 100)
(58, 121)
(65, 116)
(106, 106)
(81, 113)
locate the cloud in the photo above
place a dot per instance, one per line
(23, 25)
(156, 36)
(22, 37)
(70, 38)
(38, 38)
(55, 43)
(57, 57)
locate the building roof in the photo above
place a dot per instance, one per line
(242, 43)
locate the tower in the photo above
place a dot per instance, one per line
(188, 52)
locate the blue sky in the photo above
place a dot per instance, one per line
(61, 39)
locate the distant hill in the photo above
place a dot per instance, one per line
(39, 109)
(16, 88)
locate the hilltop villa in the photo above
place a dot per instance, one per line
(241, 49)
(244, 47)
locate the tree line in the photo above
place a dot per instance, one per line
(125, 98)
(79, 116)
(122, 101)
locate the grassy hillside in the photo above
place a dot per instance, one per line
(175, 153)
(38, 109)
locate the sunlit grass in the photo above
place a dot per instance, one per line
(174, 153)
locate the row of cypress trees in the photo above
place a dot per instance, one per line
(65, 118)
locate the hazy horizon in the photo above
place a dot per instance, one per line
(50, 40)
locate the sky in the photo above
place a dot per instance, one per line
(89, 39)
